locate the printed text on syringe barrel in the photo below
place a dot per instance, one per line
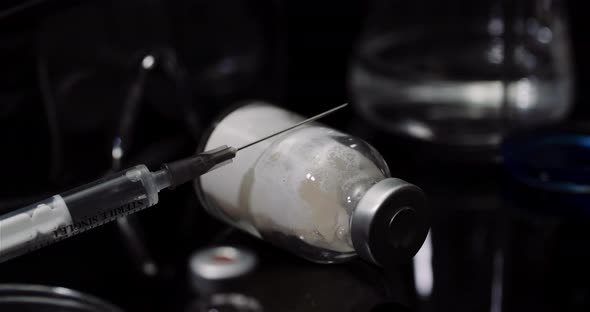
(88, 223)
(72, 213)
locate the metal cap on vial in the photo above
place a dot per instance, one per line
(390, 222)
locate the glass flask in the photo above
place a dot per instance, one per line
(463, 73)
(321, 194)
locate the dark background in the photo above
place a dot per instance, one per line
(68, 66)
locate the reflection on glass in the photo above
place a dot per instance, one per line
(423, 274)
(497, 282)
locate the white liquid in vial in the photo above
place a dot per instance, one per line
(300, 188)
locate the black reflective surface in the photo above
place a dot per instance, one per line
(496, 245)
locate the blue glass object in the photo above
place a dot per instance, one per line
(556, 161)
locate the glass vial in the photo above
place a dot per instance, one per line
(322, 194)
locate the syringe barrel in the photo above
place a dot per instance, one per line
(76, 211)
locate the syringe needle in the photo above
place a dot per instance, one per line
(185, 170)
(314, 118)
(188, 169)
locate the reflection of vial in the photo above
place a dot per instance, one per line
(317, 192)
(227, 303)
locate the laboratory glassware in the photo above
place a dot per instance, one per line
(40, 298)
(463, 73)
(549, 169)
(319, 193)
(552, 159)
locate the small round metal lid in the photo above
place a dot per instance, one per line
(221, 263)
(390, 222)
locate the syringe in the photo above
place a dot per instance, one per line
(102, 201)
